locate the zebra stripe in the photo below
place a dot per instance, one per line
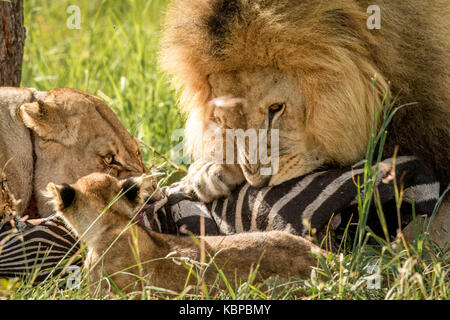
(36, 249)
(313, 199)
(255, 210)
(295, 192)
(238, 216)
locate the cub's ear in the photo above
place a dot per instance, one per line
(138, 189)
(131, 187)
(50, 122)
(62, 196)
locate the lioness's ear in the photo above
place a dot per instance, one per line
(62, 196)
(50, 122)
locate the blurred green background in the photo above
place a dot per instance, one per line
(113, 55)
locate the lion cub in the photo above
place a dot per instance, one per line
(120, 251)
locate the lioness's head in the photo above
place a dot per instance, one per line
(303, 67)
(76, 134)
(102, 198)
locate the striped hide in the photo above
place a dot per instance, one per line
(311, 200)
(26, 248)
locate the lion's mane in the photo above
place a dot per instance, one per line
(335, 55)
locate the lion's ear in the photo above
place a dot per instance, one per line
(50, 122)
(63, 196)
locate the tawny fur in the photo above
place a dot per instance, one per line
(325, 55)
(278, 253)
(8, 203)
(68, 132)
(439, 229)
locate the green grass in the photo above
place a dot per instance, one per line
(114, 56)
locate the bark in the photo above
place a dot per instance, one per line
(12, 37)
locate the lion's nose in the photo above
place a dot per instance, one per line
(264, 182)
(260, 181)
(228, 112)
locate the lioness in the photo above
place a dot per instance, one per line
(305, 68)
(114, 247)
(60, 136)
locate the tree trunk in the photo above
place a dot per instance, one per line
(12, 37)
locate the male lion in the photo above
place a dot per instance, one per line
(121, 252)
(305, 68)
(60, 136)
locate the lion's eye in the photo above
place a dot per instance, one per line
(109, 159)
(277, 107)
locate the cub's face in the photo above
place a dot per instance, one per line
(268, 99)
(77, 134)
(98, 201)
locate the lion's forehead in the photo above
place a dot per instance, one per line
(100, 131)
(248, 78)
(258, 89)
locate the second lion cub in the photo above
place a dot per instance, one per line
(119, 251)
